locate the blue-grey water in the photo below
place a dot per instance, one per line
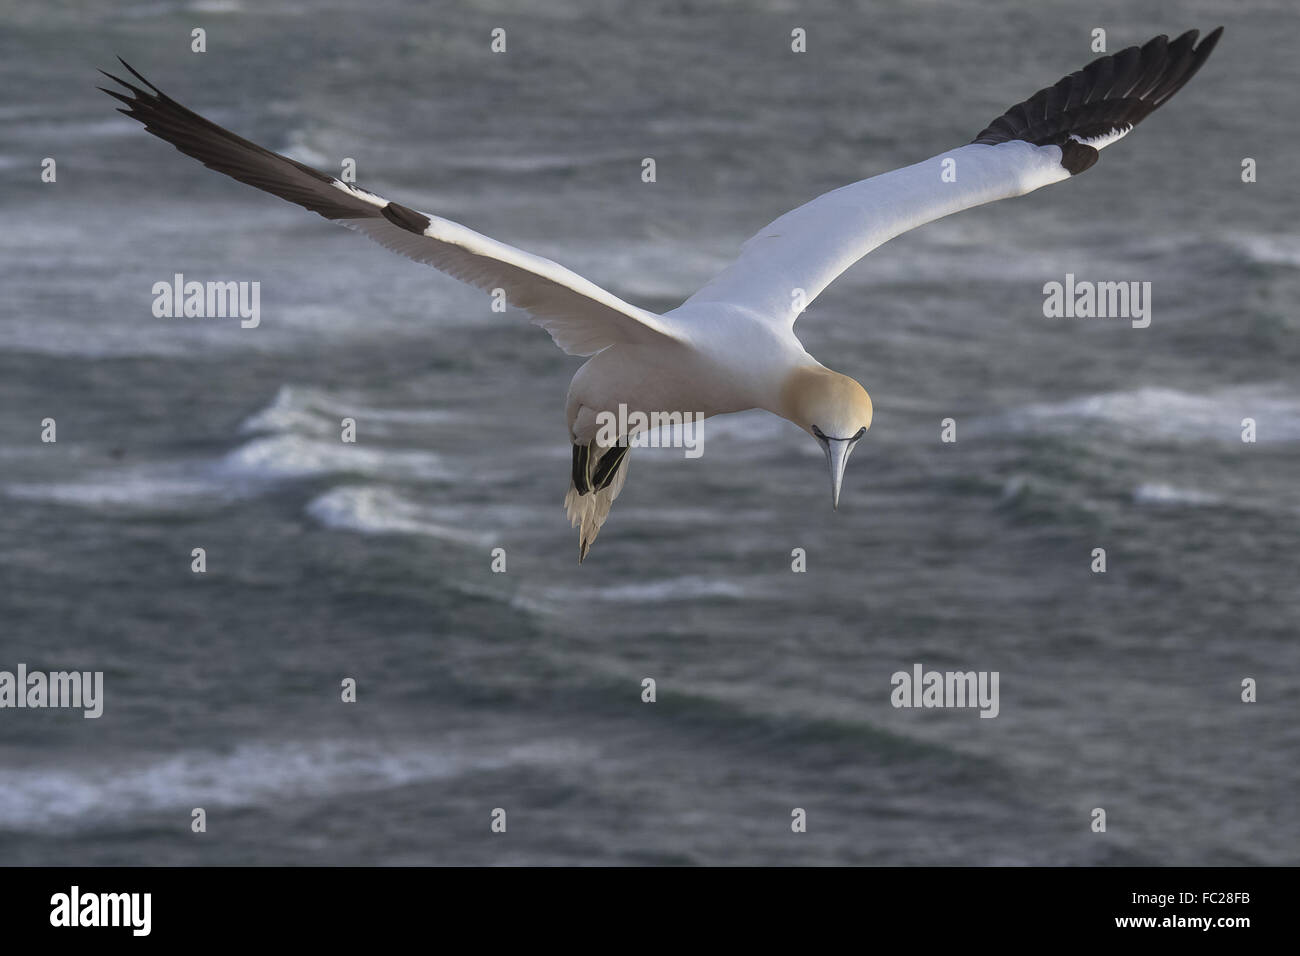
(522, 690)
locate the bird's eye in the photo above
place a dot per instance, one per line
(817, 432)
(861, 431)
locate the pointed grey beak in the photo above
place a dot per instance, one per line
(837, 455)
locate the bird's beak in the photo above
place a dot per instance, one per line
(837, 455)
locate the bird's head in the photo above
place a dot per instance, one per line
(834, 409)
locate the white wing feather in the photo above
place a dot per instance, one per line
(791, 260)
(581, 317)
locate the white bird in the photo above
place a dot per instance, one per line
(731, 346)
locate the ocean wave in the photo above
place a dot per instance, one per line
(558, 602)
(505, 159)
(1275, 250)
(168, 487)
(1220, 249)
(1165, 413)
(296, 436)
(296, 456)
(253, 774)
(370, 510)
(216, 6)
(249, 470)
(315, 411)
(658, 591)
(1158, 493)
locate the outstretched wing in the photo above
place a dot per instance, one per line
(581, 317)
(1051, 136)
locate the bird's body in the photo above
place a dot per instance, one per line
(722, 359)
(731, 346)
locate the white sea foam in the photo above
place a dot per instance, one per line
(296, 456)
(658, 591)
(216, 6)
(371, 510)
(1151, 412)
(1281, 249)
(249, 470)
(1158, 493)
(315, 411)
(166, 487)
(253, 774)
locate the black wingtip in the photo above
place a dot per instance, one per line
(117, 96)
(134, 72)
(1111, 94)
(140, 93)
(130, 86)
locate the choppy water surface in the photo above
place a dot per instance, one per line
(522, 690)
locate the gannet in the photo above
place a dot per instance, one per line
(731, 346)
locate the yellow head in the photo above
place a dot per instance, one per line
(831, 407)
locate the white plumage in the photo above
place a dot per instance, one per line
(731, 346)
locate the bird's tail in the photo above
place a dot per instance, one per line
(598, 476)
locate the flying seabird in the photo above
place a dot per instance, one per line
(731, 346)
